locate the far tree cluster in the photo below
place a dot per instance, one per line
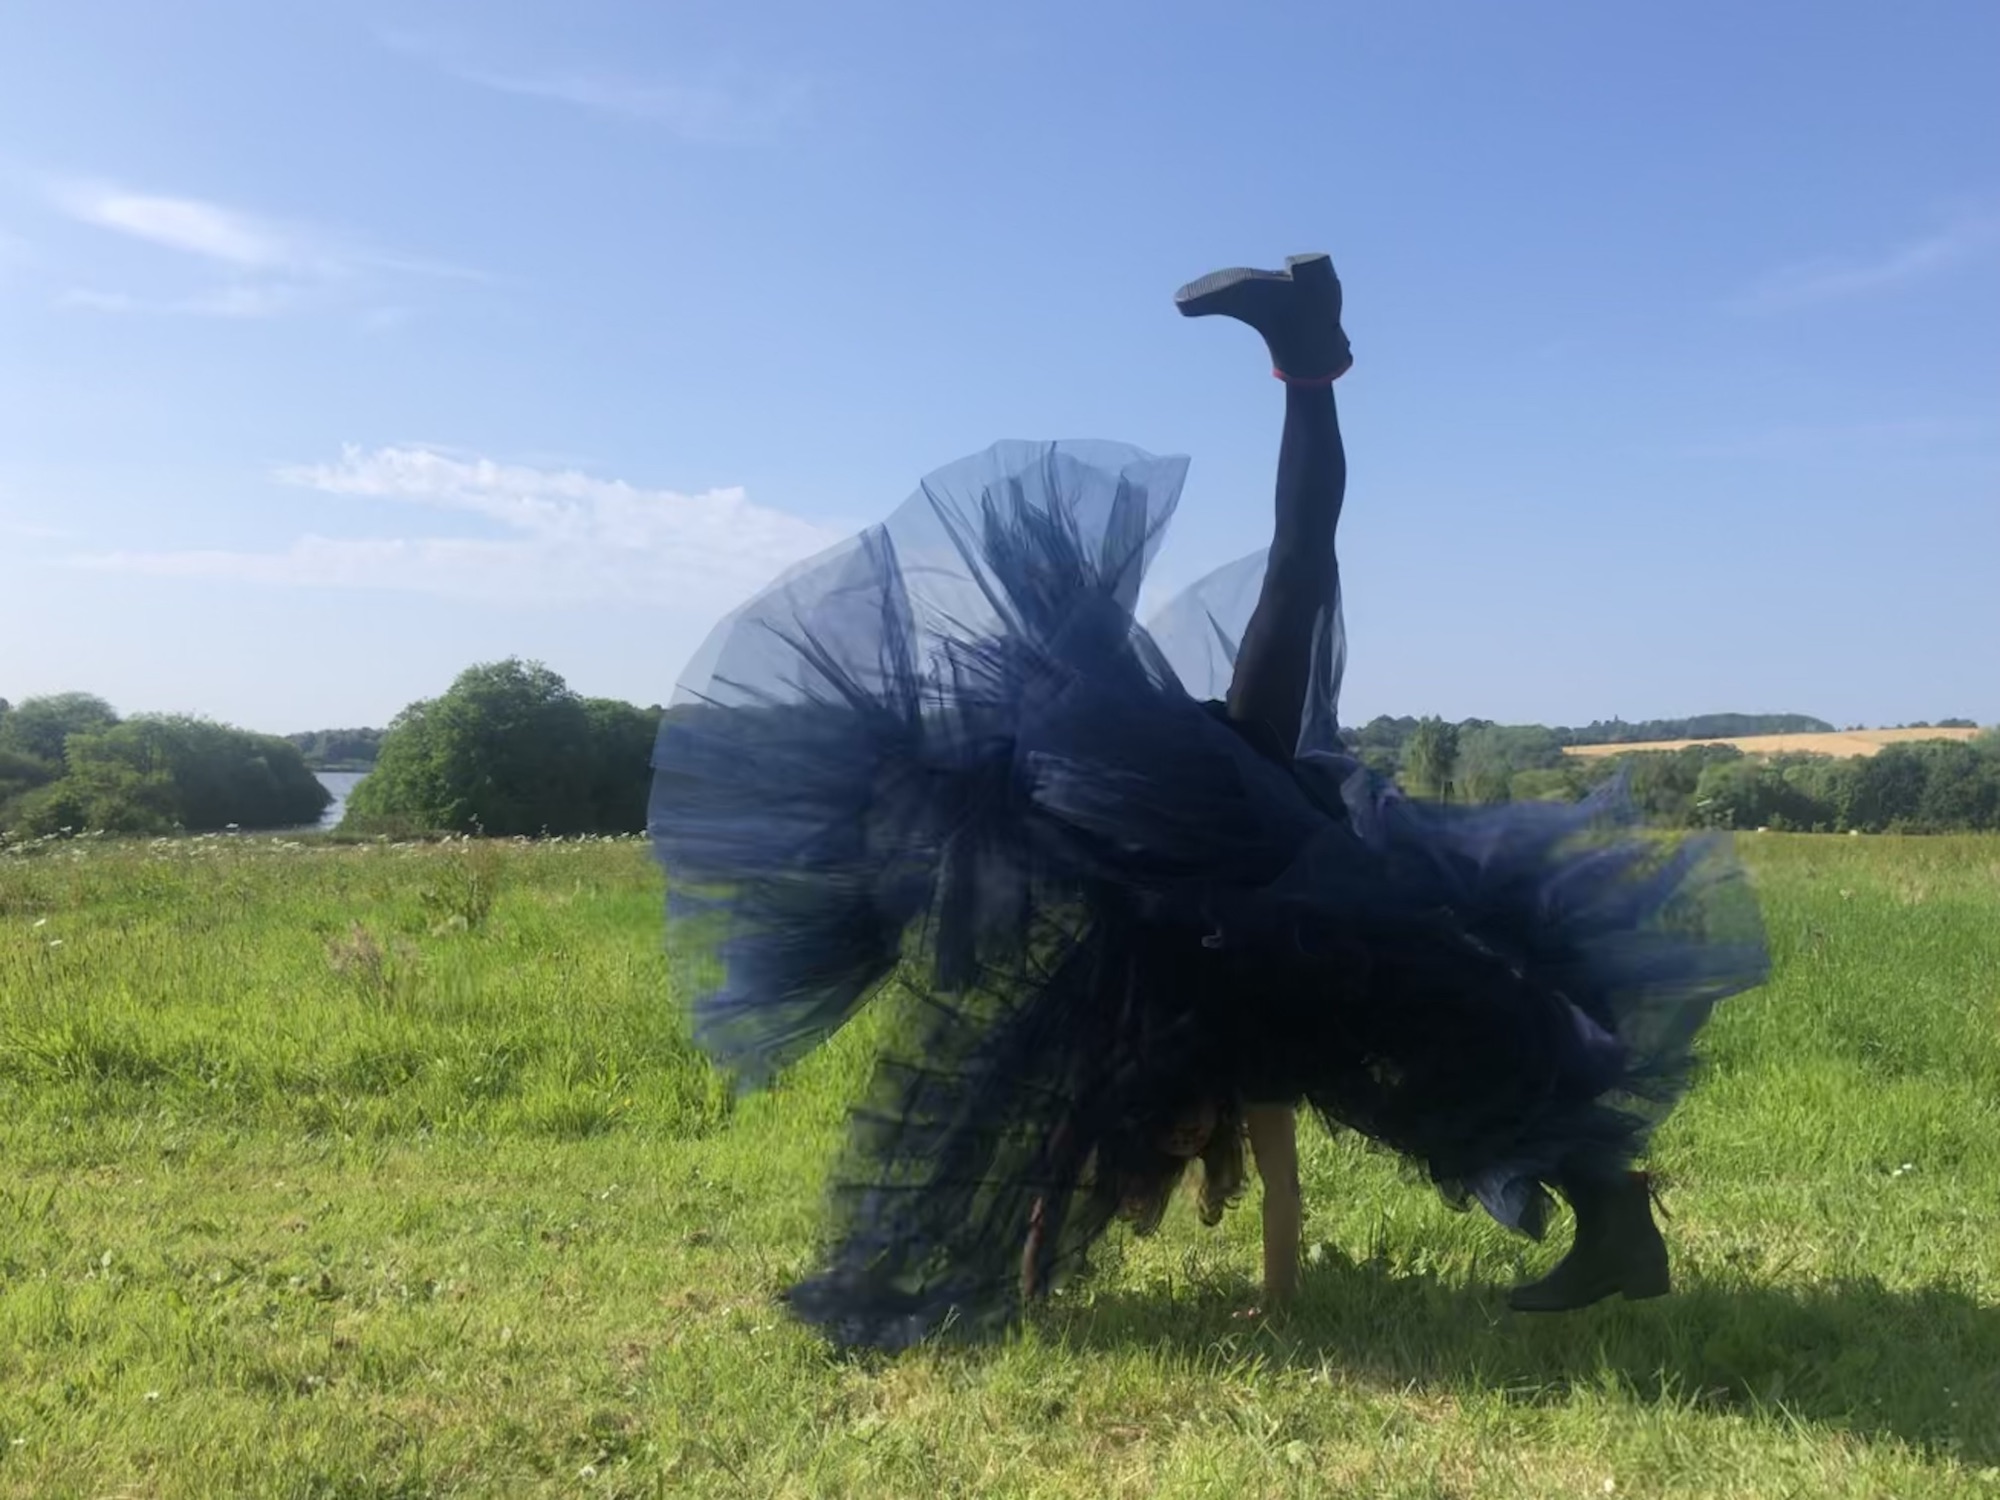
(70, 762)
(509, 748)
(338, 749)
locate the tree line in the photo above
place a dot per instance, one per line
(509, 748)
(1924, 786)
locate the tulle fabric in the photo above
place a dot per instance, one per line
(940, 768)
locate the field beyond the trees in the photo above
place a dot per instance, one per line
(387, 1171)
(1842, 743)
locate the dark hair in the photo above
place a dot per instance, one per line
(1142, 1176)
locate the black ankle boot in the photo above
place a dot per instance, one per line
(1617, 1251)
(1297, 310)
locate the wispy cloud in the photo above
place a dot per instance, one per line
(188, 225)
(567, 537)
(245, 300)
(272, 266)
(1831, 280)
(727, 109)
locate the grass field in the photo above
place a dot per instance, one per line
(1842, 745)
(321, 1179)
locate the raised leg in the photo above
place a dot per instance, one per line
(1302, 578)
(1297, 311)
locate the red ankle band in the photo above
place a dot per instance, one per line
(1309, 381)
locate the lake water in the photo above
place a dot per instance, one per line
(340, 783)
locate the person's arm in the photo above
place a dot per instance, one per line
(1031, 1253)
(1274, 1143)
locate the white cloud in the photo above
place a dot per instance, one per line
(723, 110)
(703, 113)
(1830, 280)
(272, 267)
(570, 538)
(185, 224)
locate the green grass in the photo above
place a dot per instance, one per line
(368, 1172)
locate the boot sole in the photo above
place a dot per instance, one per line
(1636, 1291)
(1215, 285)
(1209, 294)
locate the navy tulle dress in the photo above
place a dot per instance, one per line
(941, 768)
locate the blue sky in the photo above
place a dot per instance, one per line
(342, 346)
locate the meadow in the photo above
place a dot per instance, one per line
(370, 1170)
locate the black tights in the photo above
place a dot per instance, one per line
(1302, 579)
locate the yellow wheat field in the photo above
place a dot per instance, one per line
(1851, 742)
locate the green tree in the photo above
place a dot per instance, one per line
(1431, 757)
(1746, 793)
(1961, 789)
(1490, 756)
(621, 763)
(157, 772)
(338, 749)
(103, 794)
(1379, 743)
(1889, 789)
(1564, 783)
(19, 774)
(53, 807)
(506, 749)
(1827, 782)
(40, 727)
